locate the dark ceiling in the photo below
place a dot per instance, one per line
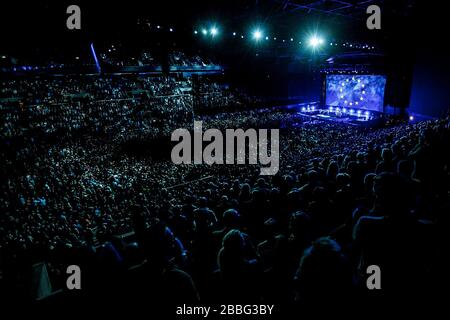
(25, 24)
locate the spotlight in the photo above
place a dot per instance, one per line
(170, 30)
(195, 32)
(214, 31)
(314, 41)
(234, 34)
(411, 118)
(303, 109)
(257, 35)
(267, 38)
(205, 32)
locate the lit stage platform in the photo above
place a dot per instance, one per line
(355, 117)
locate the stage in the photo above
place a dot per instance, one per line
(354, 117)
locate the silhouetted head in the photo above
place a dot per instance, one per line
(231, 218)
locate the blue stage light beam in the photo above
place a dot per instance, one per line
(97, 64)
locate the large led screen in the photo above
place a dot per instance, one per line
(356, 91)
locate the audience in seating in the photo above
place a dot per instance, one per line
(345, 198)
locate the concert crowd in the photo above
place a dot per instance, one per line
(345, 198)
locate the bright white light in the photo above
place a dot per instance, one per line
(315, 41)
(267, 38)
(205, 32)
(303, 109)
(257, 34)
(234, 33)
(411, 118)
(214, 31)
(195, 32)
